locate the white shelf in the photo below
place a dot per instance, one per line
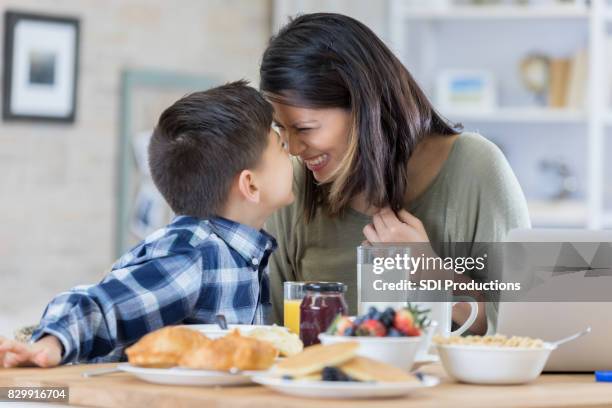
(563, 213)
(607, 219)
(495, 12)
(520, 115)
(597, 19)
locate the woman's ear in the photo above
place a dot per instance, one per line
(247, 186)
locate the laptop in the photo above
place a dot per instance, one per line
(552, 321)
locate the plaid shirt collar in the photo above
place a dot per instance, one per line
(253, 245)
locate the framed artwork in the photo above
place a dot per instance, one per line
(466, 90)
(41, 56)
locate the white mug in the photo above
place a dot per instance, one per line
(442, 312)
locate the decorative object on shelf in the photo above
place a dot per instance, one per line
(575, 95)
(559, 75)
(559, 180)
(568, 81)
(40, 67)
(534, 70)
(466, 90)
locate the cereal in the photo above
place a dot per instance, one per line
(497, 340)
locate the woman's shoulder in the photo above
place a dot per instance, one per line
(473, 152)
(477, 145)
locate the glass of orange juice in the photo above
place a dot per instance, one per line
(294, 293)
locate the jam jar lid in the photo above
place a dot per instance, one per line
(325, 287)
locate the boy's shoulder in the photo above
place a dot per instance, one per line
(185, 236)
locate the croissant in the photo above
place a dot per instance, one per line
(231, 352)
(164, 347)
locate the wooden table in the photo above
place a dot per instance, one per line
(123, 390)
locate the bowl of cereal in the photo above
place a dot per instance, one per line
(494, 359)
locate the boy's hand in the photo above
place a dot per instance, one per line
(47, 352)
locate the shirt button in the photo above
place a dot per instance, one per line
(255, 261)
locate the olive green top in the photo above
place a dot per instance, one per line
(474, 198)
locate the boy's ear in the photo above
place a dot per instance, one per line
(247, 186)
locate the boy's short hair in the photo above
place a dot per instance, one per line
(203, 141)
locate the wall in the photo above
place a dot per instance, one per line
(57, 182)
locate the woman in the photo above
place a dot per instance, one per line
(376, 161)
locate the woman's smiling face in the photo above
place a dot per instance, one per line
(318, 136)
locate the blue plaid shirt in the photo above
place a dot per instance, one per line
(184, 273)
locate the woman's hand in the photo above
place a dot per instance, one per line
(387, 227)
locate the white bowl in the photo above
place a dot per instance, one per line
(396, 351)
(493, 365)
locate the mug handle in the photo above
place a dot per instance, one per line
(471, 319)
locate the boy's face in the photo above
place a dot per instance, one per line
(275, 173)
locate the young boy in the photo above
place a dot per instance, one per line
(223, 171)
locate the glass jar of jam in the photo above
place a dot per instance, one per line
(321, 304)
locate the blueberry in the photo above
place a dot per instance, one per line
(343, 377)
(287, 377)
(359, 320)
(387, 317)
(394, 333)
(372, 311)
(349, 331)
(386, 320)
(334, 374)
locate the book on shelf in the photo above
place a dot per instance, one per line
(558, 77)
(567, 81)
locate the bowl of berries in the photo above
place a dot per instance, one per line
(391, 336)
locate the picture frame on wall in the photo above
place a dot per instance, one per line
(41, 54)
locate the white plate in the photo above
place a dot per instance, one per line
(213, 331)
(336, 389)
(187, 376)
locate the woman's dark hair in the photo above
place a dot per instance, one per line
(324, 60)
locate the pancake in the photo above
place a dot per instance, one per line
(315, 358)
(366, 369)
(316, 376)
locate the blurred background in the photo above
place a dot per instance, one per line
(85, 81)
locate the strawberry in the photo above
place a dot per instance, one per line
(404, 322)
(414, 332)
(371, 327)
(343, 325)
